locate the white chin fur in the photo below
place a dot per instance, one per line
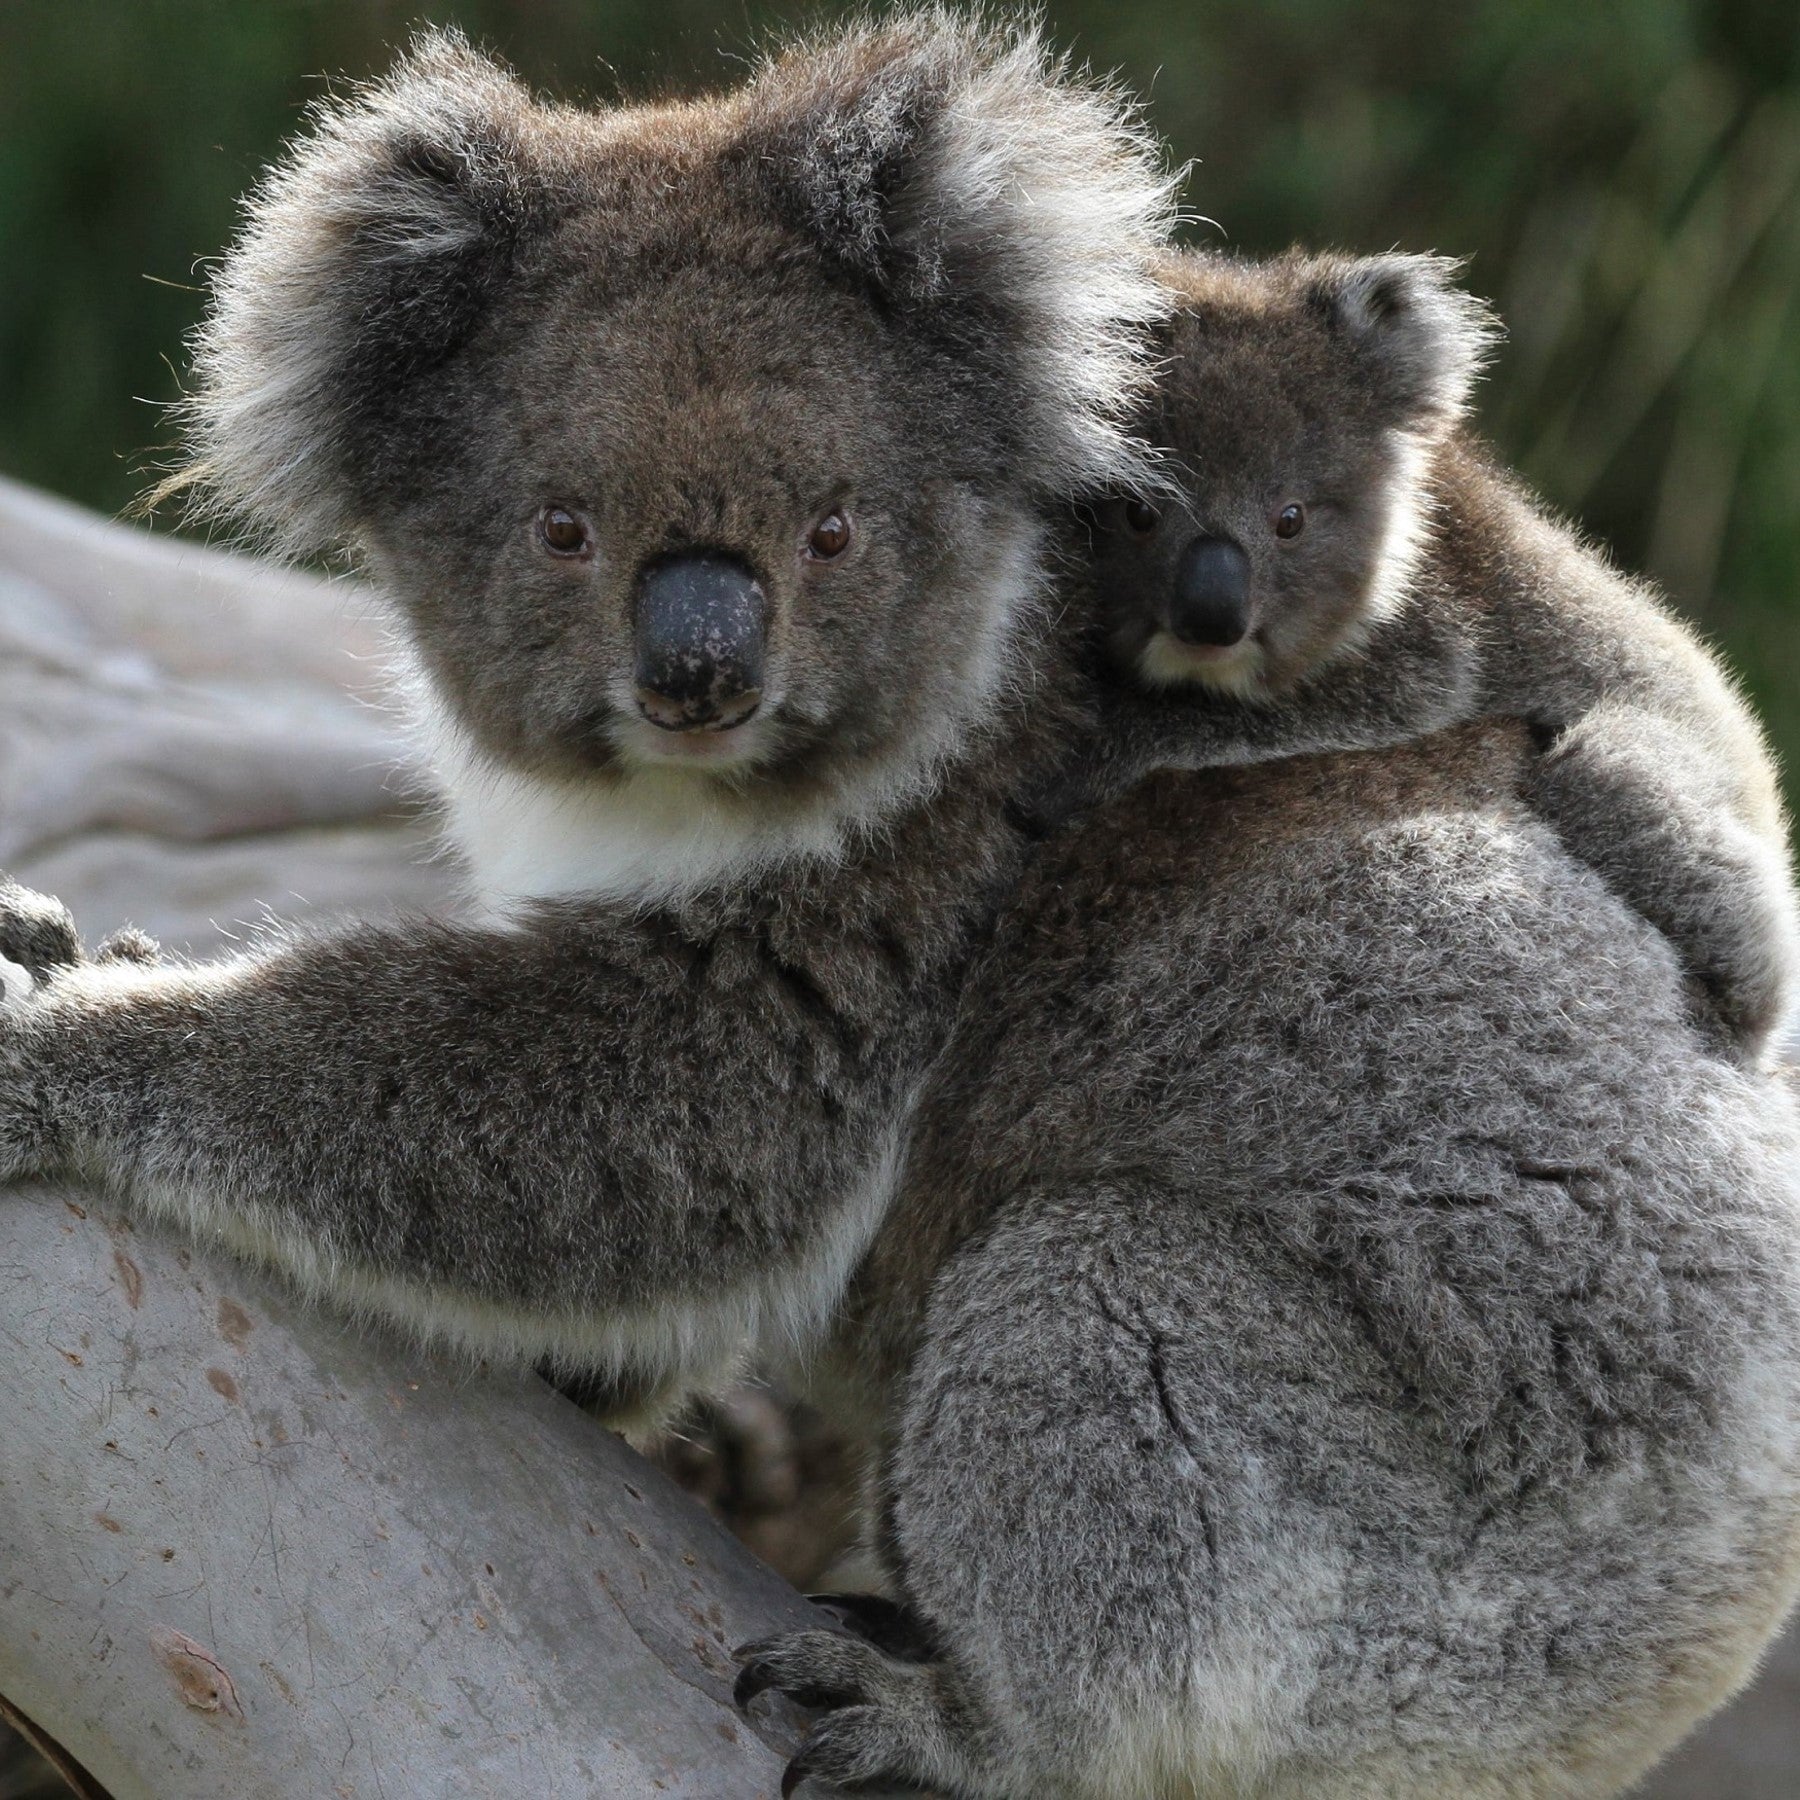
(1167, 662)
(662, 828)
(650, 834)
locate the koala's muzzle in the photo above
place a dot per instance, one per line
(1209, 599)
(698, 624)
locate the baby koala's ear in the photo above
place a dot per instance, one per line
(366, 257)
(1008, 204)
(1420, 338)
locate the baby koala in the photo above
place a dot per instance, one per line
(1338, 565)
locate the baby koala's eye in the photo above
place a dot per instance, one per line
(1290, 521)
(564, 533)
(1142, 517)
(830, 538)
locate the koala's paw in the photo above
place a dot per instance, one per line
(36, 931)
(129, 945)
(891, 1724)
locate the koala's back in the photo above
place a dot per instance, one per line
(1332, 1262)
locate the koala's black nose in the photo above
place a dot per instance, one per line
(1209, 602)
(699, 633)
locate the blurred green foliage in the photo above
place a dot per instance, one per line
(1625, 175)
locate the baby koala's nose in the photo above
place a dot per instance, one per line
(698, 627)
(1209, 601)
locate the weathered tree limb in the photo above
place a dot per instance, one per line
(248, 1550)
(190, 740)
(194, 611)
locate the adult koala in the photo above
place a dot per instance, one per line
(1339, 1333)
(703, 450)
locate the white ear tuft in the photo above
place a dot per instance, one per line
(365, 258)
(1423, 339)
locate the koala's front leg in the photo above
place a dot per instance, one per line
(38, 935)
(1417, 673)
(1634, 797)
(588, 1139)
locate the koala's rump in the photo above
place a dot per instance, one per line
(1325, 1144)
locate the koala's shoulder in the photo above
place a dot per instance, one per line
(1229, 820)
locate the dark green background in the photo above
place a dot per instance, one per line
(1626, 178)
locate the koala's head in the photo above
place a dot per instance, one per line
(707, 436)
(1300, 404)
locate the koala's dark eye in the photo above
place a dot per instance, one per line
(1290, 521)
(830, 538)
(1142, 517)
(564, 533)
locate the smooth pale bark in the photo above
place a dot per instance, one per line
(192, 610)
(249, 1551)
(192, 741)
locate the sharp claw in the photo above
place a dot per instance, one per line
(795, 1773)
(753, 1679)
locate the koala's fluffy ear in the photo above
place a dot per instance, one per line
(1421, 338)
(365, 258)
(1007, 203)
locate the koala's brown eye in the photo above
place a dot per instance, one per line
(563, 532)
(1142, 517)
(1290, 521)
(830, 538)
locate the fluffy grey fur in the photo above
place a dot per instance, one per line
(1426, 588)
(1339, 1334)
(1000, 203)
(1336, 1338)
(1335, 1332)
(649, 1112)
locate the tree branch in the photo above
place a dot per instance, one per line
(247, 1550)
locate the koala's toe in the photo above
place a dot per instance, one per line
(36, 930)
(892, 1724)
(129, 945)
(813, 1668)
(858, 1749)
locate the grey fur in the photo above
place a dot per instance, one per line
(997, 204)
(1339, 1336)
(1336, 1339)
(1338, 383)
(1336, 1330)
(648, 1113)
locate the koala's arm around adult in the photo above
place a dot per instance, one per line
(1414, 675)
(1653, 770)
(624, 1143)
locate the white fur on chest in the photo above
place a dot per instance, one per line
(647, 837)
